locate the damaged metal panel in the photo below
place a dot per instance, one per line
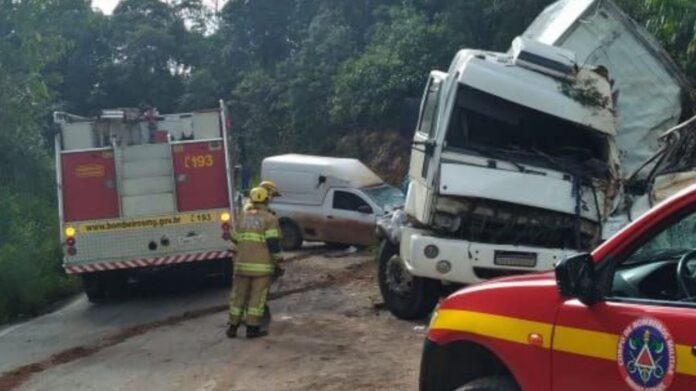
(540, 191)
(601, 34)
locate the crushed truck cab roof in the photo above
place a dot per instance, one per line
(499, 75)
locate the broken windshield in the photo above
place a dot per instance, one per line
(386, 196)
(494, 127)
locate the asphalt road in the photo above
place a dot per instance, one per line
(328, 332)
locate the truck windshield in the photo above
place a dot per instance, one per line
(494, 127)
(386, 196)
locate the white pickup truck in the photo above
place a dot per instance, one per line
(326, 199)
(520, 159)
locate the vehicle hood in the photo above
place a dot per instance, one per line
(532, 297)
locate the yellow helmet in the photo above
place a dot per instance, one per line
(271, 187)
(258, 195)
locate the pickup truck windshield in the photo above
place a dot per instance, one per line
(386, 196)
(494, 127)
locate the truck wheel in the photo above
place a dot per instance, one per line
(406, 296)
(292, 236)
(94, 287)
(492, 383)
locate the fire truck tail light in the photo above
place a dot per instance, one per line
(70, 242)
(226, 236)
(72, 251)
(225, 226)
(70, 232)
(225, 217)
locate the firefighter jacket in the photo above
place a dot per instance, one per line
(257, 238)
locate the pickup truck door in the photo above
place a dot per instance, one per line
(350, 218)
(425, 144)
(643, 335)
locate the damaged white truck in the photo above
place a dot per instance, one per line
(520, 159)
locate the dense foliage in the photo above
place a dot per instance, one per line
(299, 75)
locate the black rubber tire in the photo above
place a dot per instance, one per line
(103, 285)
(94, 287)
(492, 383)
(416, 304)
(291, 235)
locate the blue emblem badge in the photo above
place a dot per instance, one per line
(646, 356)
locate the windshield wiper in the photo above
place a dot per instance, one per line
(493, 155)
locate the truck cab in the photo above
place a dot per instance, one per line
(618, 318)
(513, 167)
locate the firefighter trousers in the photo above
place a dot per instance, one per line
(248, 299)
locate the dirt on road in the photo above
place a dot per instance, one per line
(328, 333)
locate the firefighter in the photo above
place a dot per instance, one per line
(272, 190)
(257, 241)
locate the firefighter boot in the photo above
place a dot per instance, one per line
(232, 331)
(255, 332)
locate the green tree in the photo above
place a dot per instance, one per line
(674, 24)
(28, 227)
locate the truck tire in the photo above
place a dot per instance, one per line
(406, 296)
(94, 287)
(492, 383)
(103, 285)
(291, 235)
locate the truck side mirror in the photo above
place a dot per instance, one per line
(575, 277)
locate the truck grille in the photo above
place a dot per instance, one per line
(504, 223)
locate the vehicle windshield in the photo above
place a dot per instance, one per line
(673, 242)
(386, 196)
(504, 130)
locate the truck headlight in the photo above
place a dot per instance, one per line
(446, 221)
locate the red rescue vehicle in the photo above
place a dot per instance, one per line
(139, 191)
(620, 318)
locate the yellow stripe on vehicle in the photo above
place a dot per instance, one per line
(494, 326)
(586, 343)
(102, 226)
(571, 340)
(686, 363)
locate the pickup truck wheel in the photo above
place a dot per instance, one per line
(406, 296)
(94, 287)
(492, 383)
(291, 235)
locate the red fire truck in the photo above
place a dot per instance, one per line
(140, 191)
(620, 318)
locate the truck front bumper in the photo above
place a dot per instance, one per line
(465, 262)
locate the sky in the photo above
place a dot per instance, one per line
(107, 6)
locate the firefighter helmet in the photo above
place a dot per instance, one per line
(271, 187)
(258, 195)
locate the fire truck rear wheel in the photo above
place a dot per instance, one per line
(406, 296)
(292, 235)
(94, 287)
(492, 383)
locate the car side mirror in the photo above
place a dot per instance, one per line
(575, 277)
(366, 209)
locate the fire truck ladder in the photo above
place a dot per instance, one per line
(146, 179)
